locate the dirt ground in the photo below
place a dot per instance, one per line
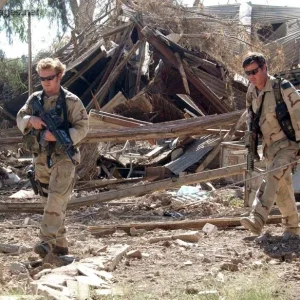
(222, 265)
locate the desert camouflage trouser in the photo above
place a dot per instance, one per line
(277, 186)
(60, 180)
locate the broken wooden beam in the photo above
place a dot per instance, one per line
(137, 190)
(172, 129)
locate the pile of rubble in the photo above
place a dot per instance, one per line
(161, 109)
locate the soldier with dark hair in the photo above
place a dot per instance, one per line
(280, 143)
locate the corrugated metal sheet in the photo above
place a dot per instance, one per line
(267, 14)
(290, 43)
(192, 155)
(230, 11)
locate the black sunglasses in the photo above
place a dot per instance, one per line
(252, 72)
(48, 78)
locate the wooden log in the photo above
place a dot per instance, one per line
(173, 129)
(174, 225)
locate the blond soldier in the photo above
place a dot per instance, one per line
(279, 151)
(54, 170)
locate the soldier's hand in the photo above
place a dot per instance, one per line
(48, 136)
(36, 122)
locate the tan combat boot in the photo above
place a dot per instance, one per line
(257, 218)
(254, 223)
(292, 229)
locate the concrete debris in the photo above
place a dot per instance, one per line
(77, 279)
(134, 254)
(209, 229)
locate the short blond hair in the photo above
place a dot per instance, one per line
(55, 63)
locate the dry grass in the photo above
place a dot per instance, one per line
(223, 41)
(254, 285)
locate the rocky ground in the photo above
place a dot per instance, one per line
(227, 263)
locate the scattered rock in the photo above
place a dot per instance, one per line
(137, 232)
(29, 221)
(208, 293)
(257, 264)
(274, 262)
(220, 277)
(209, 229)
(134, 254)
(17, 268)
(190, 290)
(230, 267)
(188, 263)
(206, 260)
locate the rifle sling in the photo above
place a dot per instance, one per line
(257, 116)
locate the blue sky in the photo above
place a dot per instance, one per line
(42, 35)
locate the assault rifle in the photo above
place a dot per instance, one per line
(251, 143)
(52, 125)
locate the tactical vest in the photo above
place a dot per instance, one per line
(32, 140)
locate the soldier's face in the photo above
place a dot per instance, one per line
(50, 81)
(256, 75)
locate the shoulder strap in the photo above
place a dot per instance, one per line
(39, 97)
(277, 90)
(261, 106)
(62, 96)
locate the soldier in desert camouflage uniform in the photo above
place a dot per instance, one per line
(53, 168)
(279, 151)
